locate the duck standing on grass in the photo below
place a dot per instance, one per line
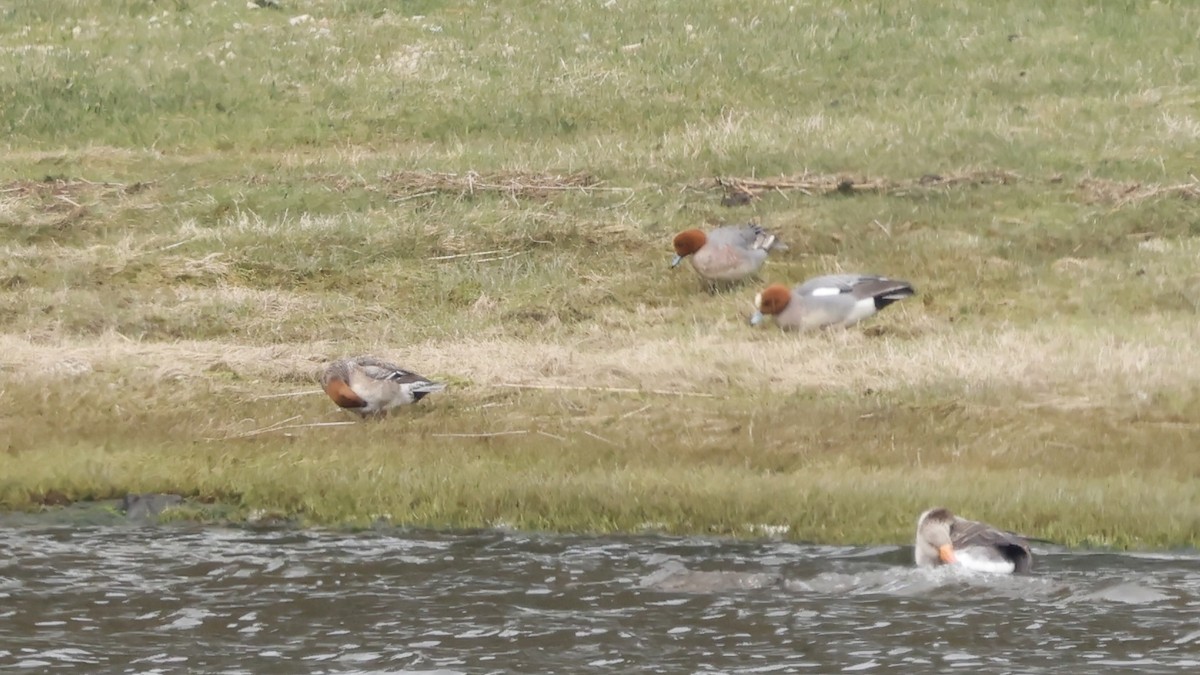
(945, 539)
(726, 254)
(832, 300)
(371, 387)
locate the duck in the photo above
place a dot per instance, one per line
(830, 300)
(727, 254)
(946, 539)
(371, 387)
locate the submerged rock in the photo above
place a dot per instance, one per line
(146, 507)
(676, 578)
(1126, 592)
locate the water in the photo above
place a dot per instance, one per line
(150, 600)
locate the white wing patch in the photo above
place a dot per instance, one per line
(825, 290)
(764, 241)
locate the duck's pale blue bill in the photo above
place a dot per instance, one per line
(675, 262)
(756, 318)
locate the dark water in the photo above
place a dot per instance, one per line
(151, 600)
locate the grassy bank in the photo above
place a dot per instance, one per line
(202, 203)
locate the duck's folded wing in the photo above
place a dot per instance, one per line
(394, 374)
(876, 287)
(381, 370)
(828, 285)
(749, 236)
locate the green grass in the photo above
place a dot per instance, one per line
(201, 204)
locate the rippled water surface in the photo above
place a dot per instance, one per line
(147, 600)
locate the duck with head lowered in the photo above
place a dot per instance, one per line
(371, 387)
(831, 300)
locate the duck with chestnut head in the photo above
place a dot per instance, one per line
(726, 254)
(831, 300)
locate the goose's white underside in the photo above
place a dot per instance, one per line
(982, 560)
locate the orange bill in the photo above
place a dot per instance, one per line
(946, 553)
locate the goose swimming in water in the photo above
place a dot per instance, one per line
(945, 539)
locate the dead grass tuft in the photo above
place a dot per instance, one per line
(65, 194)
(407, 184)
(740, 191)
(211, 267)
(1122, 193)
(52, 206)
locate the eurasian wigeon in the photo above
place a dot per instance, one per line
(729, 253)
(945, 539)
(831, 300)
(371, 387)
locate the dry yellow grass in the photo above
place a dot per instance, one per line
(905, 349)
